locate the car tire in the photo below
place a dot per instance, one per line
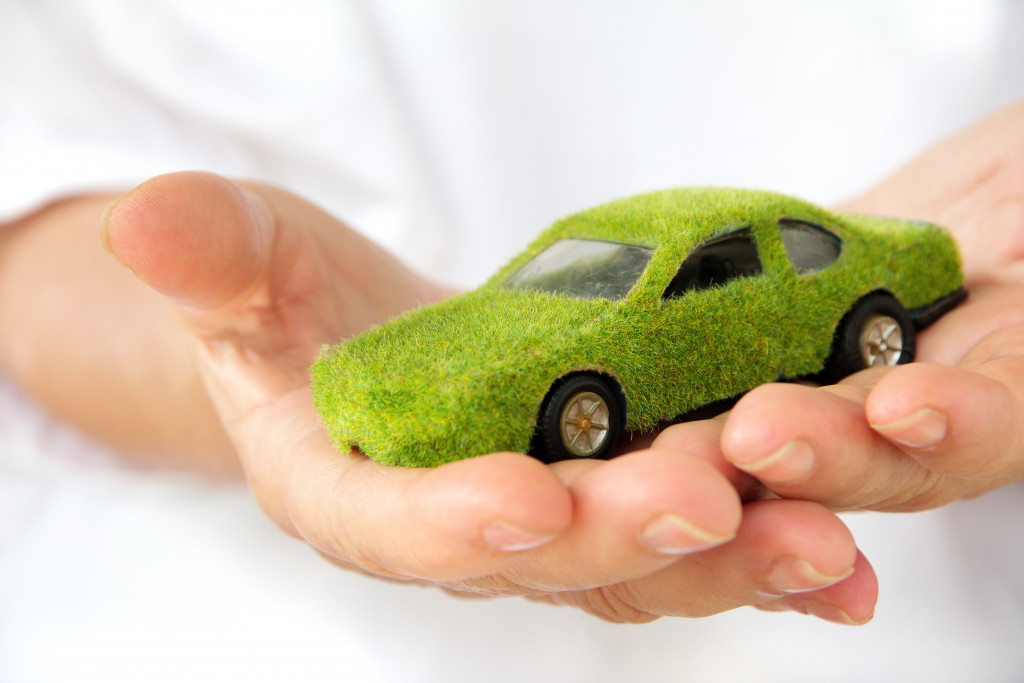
(877, 331)
(581, 418)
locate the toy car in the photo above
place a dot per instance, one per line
(634, 312)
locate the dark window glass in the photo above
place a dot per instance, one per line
(810, 247)
(716, 262)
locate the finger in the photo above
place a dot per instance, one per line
(783, 548)
(912, 438)
(262, 278)
(257, 266)
(212, 248)
(850, 602)
(632, 516)
(703, 438)
(964, 421)
(202, 241)
(816, 444)
(194, 237)
(464, 519)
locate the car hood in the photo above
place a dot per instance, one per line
(475, 364)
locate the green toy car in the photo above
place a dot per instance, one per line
(634, 312)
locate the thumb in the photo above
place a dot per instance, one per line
(208, 245)
(262, 277)
(195, 237)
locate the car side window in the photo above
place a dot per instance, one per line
(716, 262)
(810, 247)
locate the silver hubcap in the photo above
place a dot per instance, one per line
(881, 341)
(584, 424)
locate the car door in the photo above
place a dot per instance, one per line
(816, 294)
(720, 323)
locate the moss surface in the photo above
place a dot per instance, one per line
(467, 376)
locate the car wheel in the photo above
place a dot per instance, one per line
(876, 332)
(582, 418)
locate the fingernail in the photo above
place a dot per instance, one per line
(791, 463)
(835, 615)
(671, 534)
(924, 428)
(809, 605)
(104, 223)
(794, 575)
(504, 536)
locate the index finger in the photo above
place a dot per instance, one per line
(465, 519)
(909, 438)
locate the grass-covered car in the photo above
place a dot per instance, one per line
(634, 312)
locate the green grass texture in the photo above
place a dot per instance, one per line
(467, 376)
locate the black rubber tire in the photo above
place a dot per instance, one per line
(549, 443)
(849, 346)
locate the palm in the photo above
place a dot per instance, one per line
(280, 278)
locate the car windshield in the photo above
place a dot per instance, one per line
(588, 269)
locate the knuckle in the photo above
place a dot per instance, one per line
(615, 603)
(372, 572)
(930, 490)
(444, 562)
(492, 585)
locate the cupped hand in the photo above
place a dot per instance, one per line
(951, 426)
(261, 279)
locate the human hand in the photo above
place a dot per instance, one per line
(261, 279)
(923, 435)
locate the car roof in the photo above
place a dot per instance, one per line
(674, 221)
(685, 214)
